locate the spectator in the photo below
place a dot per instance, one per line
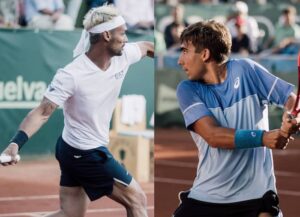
(160, 45)
(97, 3)
(251, 28)
(47, 14)
(287, 35)
(73, 9)
(241, 42)
(9, 13)
(173, 30)
(138, 14)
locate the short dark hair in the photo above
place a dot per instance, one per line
(289, 10)
(211, 35)
(94, 38)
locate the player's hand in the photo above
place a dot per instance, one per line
(11, 150)
(274, 139)
(289, 125)
(55, 16)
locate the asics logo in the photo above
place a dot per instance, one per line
(236, 83)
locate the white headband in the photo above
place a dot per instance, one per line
(84, 42)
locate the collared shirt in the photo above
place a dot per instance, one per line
(240, 102)
(88, 96)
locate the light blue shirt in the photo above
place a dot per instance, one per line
(240, 102)
(32, 7)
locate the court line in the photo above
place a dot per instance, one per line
(173, 181)
(176, 163)
(286, 152)
(41, 197)
(190, 182)
(289, 193)
(38, 214)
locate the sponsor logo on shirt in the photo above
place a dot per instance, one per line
(236, 83)
(119, 75)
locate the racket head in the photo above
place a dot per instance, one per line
(296, 108)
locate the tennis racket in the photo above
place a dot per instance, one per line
(296, 108)
(7, 158)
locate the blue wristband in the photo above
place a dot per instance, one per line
(248, 138)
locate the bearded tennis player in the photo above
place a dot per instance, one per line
(88, 89)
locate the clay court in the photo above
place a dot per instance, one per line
(30, 189)
(175, 167)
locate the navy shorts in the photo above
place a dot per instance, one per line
(95, 170)
(251, 208)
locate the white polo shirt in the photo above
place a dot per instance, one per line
(88, 96)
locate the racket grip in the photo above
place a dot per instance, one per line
(291, 116)
(8, 158)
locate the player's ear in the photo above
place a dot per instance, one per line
(107, 36)
(205, 54)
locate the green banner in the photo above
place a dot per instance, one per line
(28, 61)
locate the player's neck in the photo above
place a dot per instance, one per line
(100, 57)
(216, 73)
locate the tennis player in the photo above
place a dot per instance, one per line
(224, 103)
(88, 89)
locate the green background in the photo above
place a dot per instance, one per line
(36, 56)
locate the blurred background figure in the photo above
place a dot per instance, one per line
(160, 45)
(47, 14)
(75, 5)
(173, 30)
(286, 40)
(240, 9)
(97, 3)
(139, 15)
(9, 13)
(241, 42)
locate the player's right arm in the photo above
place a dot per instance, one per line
(220, 137)
(31, 124)
(37, 117)
(199, 119)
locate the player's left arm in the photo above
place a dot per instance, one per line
(147, 48)
(290, 126)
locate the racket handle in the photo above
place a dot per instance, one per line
(291, 116)
(8, 158)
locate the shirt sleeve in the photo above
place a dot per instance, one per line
(271, 89)
(59, 4)
(61, 88)
(40, 4)
(191, 106)
(133, 53)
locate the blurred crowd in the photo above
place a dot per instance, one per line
(247, 36)
(62, 15)
(261, 2)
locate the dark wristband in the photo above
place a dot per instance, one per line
(20, 138)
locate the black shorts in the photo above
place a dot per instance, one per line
(95, 170)
(251, 208)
